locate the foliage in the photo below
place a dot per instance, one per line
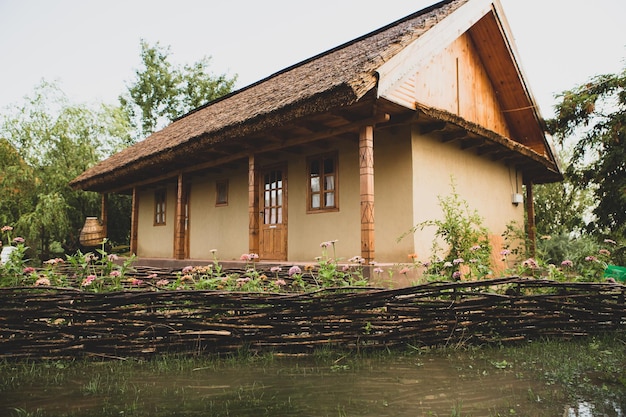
(562, 207)
(49, 142)
(328, 273)
(468, 249)
(162, 92)
(595, 113)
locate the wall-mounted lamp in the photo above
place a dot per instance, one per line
(517, 198)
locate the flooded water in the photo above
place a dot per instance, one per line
(421, 385)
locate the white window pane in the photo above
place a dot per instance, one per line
(315, 184)
(315, 201)
(330, 182)
(330, 199)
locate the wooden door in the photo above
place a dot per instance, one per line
(273, 211)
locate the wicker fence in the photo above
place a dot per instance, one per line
(62, 323)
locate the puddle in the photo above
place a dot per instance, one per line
(406, 386)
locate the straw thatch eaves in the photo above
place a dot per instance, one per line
(326, 96)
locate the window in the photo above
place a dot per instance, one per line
(221, 193)
(159, 207)
(322, 186)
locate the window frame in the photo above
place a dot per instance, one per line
(160, 207)
(320, 158)
(224, 185)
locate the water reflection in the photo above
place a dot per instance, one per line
(413, 386)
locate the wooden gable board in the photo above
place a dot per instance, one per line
(518, 106)
(408, 61)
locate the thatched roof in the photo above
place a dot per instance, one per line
(336, 78)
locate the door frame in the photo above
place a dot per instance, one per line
(282, 167)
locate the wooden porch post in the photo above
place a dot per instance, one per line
(253, 207)
(366, 175)
(104, 208)
(530, 214)
(179, 220)
(134, 226)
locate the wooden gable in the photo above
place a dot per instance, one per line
(467, 66)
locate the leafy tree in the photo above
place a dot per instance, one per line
(50, 142)
(562, 208)
(595, 113)
(162, 92)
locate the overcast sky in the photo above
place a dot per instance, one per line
(91, 48)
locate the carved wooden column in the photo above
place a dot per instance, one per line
(179, 220)
(134, 222)
(530, 213)
(366, 175)
(253, 207)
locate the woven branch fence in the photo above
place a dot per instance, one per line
(56, 323)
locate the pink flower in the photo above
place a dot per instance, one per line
(275, 269)
(325, 244)
(87, 281)
(18, 240)
(604, 252)
(113, 257)
(28, 270)
(590, 258)
(404, 271)
(281, 282)
(357, 260)
(458, 261)
(610, 241)
(162, 282)
(505, 252)
(475, 248)
(378, 270)
(249, 257)
(530, 263)
(294, 270)
(6, 228)
(115, 274)
(567, 263)
(187, 269)
(136, 282)
(152, 276)
(42, 281)
(456, 275)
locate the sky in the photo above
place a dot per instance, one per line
(92, 48)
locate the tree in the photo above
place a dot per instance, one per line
(162, 92)
(595, 113)
(562, 208)
(51, 142)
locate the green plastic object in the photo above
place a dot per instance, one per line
(618, 273)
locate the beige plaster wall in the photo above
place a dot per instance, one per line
(155, 241)
(307, 231)
(486, 185)
(224, 228)
(393, 187)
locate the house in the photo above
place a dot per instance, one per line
(354, 144)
